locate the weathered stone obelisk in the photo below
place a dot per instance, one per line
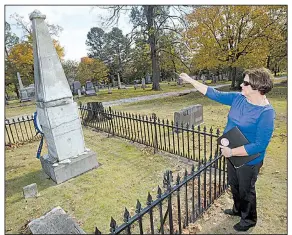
(58, 115)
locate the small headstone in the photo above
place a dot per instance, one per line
(96, 88)
(83, 90)
(55, 222)
(79, 93)
(192, 115)
(76, 85)
(109, 90)
(148, 79)
(203, 78)
(179, 81)
(143, 83)
(30, 191)
(89, 89)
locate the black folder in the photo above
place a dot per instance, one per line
(233, 139)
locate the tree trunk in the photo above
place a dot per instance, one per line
(232, 73)
(268, 62)
(233, 77)
(16, 90)
(153, 47)
(155, 72)
(119, 81)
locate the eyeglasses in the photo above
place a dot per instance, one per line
(245, 83)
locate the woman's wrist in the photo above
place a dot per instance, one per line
(230, 153)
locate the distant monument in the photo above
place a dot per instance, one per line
(57, 113)
(26, 93)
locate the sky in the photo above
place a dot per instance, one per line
(76, 22)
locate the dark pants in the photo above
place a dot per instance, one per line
(242, 183)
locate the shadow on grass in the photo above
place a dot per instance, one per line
(225, 226)
(15, 185)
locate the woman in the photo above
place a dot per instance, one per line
(252, 113)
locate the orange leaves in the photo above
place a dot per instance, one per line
(87, 60)
(232, 35)
(59, 49)
(20, 59)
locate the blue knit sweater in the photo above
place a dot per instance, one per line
(254, 121)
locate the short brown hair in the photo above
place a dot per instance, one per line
(260, 79)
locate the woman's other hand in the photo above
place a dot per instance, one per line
(186, 77)
(226, 152)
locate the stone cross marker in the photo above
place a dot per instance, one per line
(192, 115)
(58, 114)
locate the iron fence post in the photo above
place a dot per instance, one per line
(111, 120)
(155, 143)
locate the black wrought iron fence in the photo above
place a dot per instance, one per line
(182, 203)
(20, 130)
(186, 141)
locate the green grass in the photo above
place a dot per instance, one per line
(125, 174)
(128, 172)
(16, 108)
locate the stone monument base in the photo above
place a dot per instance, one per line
(69, 168)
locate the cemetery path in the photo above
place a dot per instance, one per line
(136, 99)
(152, 97)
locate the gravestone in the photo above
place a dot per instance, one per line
(96, 112)
(57, 113)
(203, 78)
(114, 82)
(89, 89)
(26, 93)
(76, 86)
(192, 115)
(55, 221)
(83, 90)
(79, 93)
(179, 81)
(148, 79)
(30, 191)
(109, 90)
(143, 83)
(119, 81)
(19, 81)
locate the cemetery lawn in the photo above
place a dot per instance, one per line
(128, 171)
(272, 182)
(15, 108)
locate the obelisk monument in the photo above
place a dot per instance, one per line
(57, 113)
